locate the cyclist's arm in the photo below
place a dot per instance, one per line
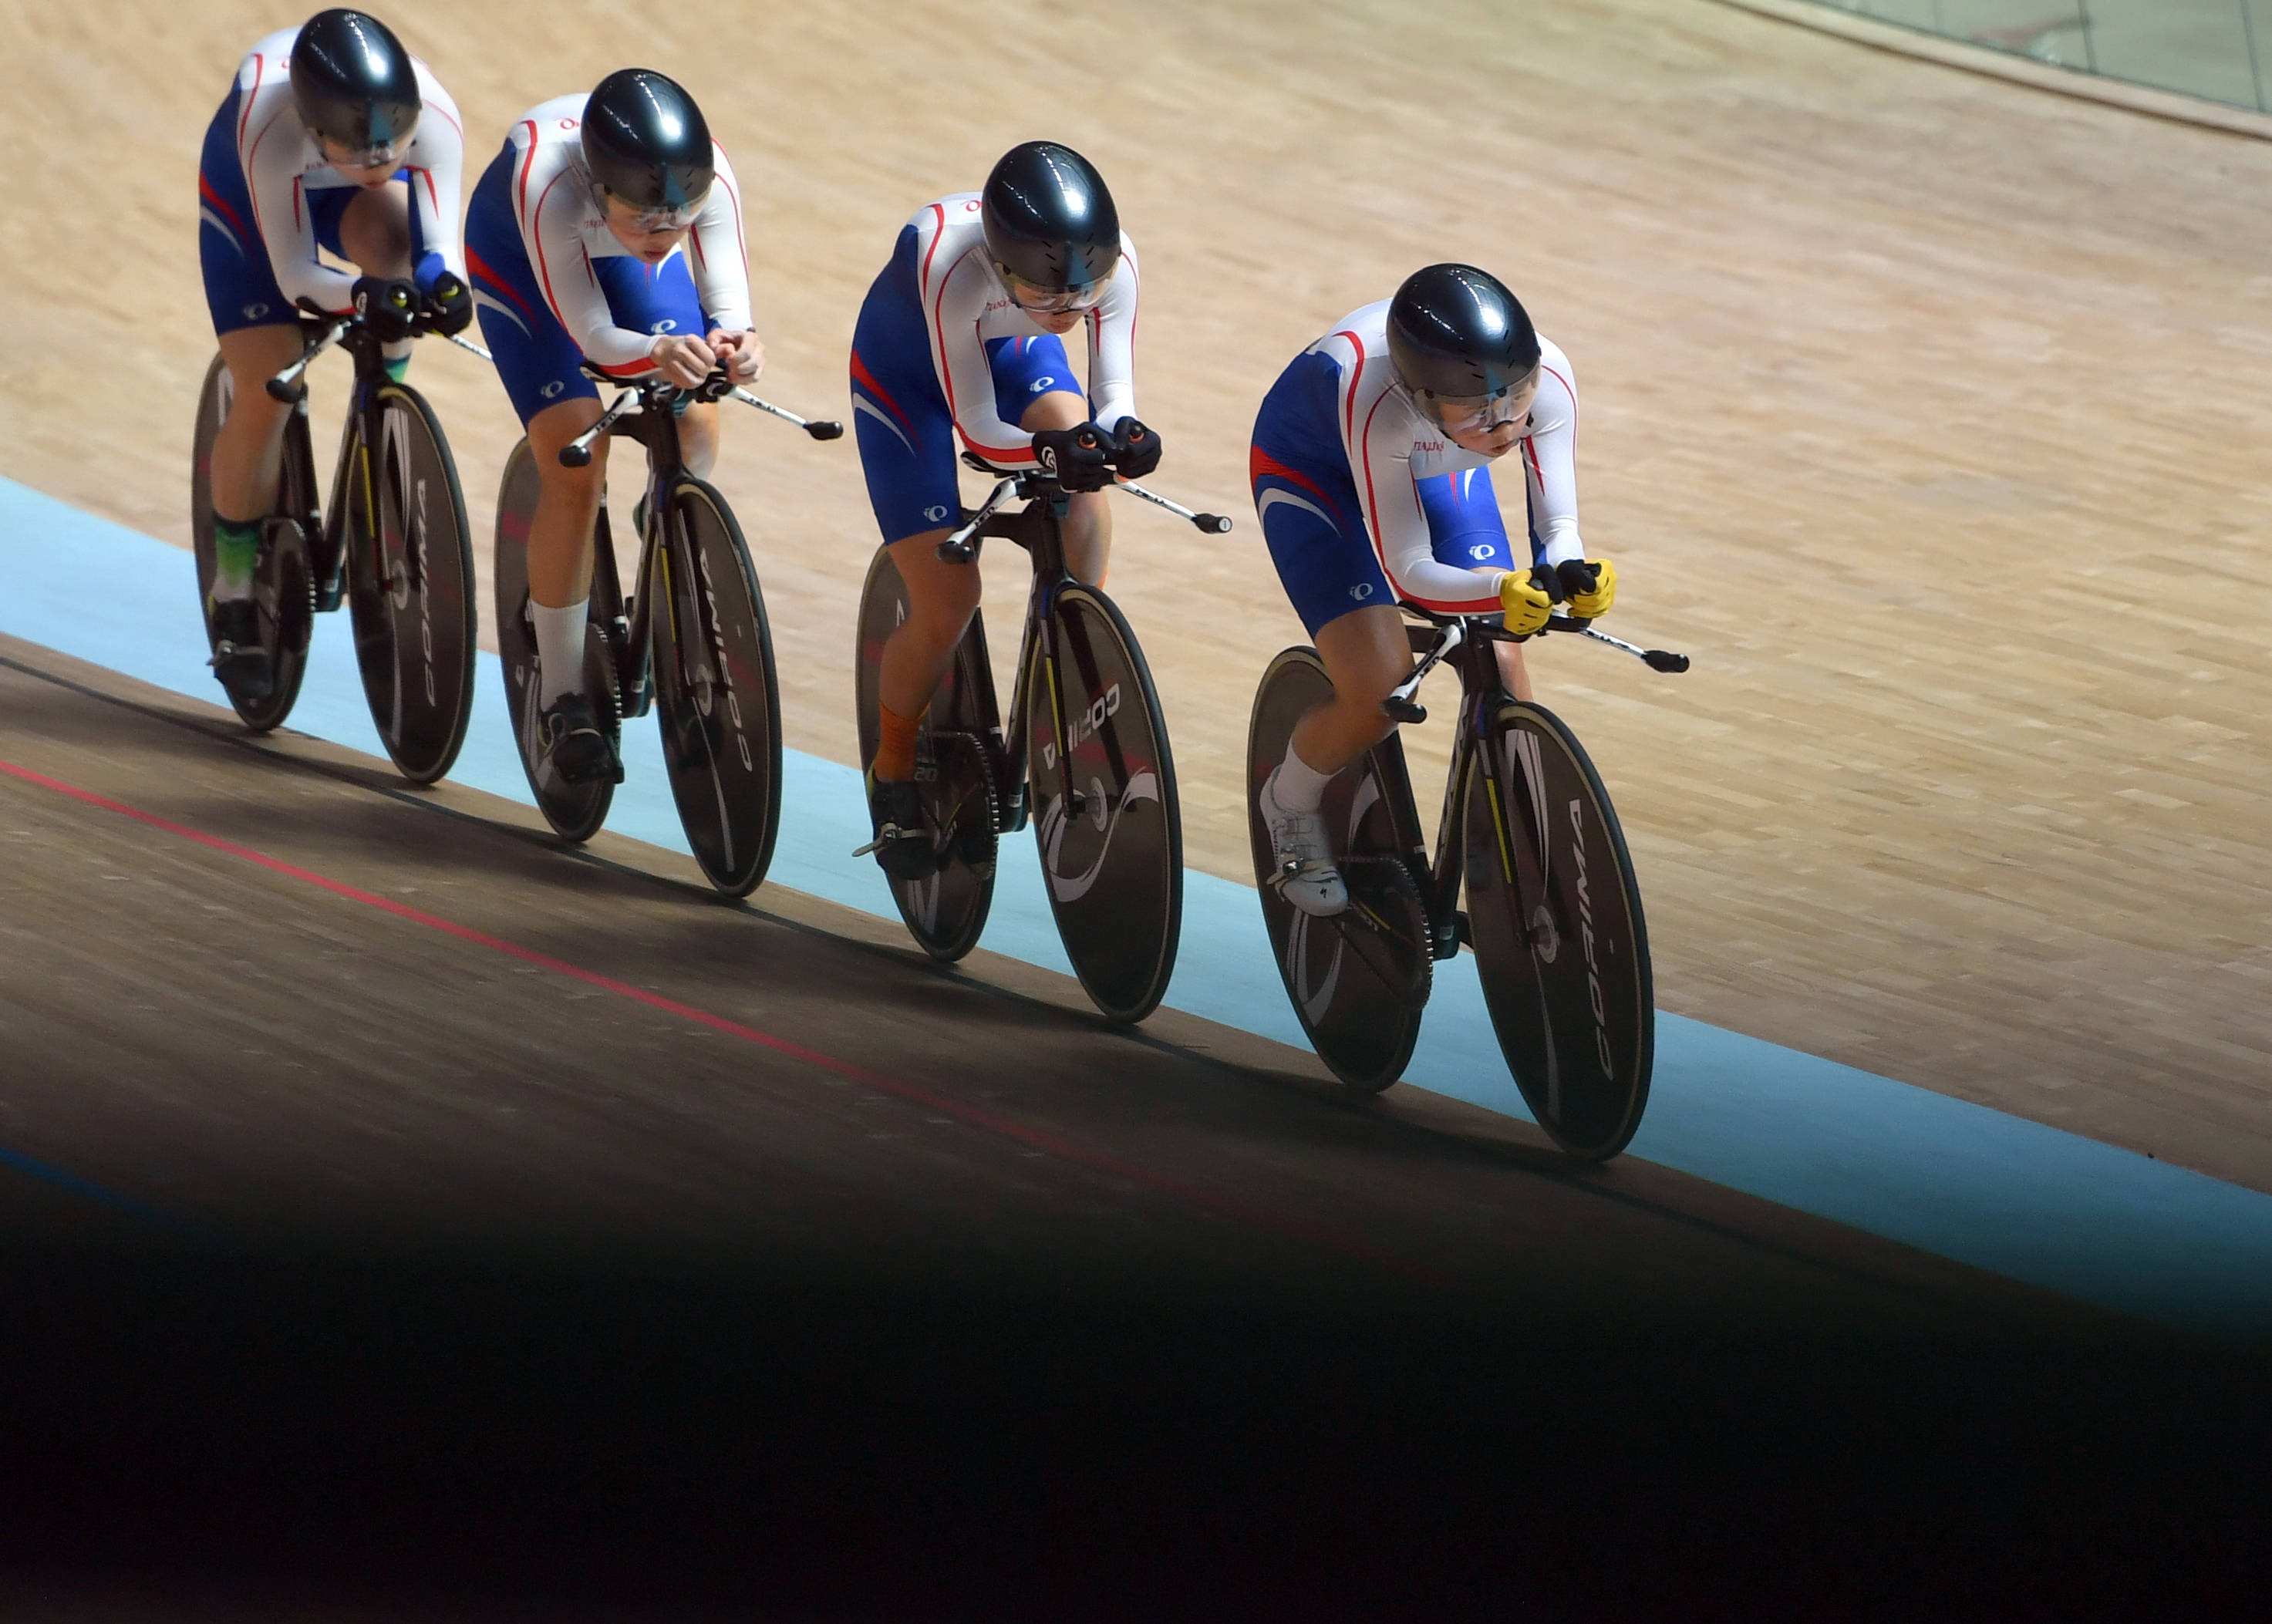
(1378, 433)
(1549, 457)
(551, 207)
(437, 162)
(1112, 345)
(951, 308)
(271, 145)
(717, 253)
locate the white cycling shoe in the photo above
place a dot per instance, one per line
(1306, 874)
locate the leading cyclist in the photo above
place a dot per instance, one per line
(961, 334)
(333, 137)
(607, 230)
(1372, 465)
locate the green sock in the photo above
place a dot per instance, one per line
(396, 366)
(235, 548)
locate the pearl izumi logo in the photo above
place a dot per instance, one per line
(1586, 935)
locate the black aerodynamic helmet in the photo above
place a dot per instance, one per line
(1050, 220)
(354, 84)
(1456, 332)
(646, 142)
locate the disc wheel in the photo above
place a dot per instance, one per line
(1560, 943)
(282, 588)
(1104, 806)
(410, 585)
(1359, 980)
(946, 912)
(716, 699)
(574, 811)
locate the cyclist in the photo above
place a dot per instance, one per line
(335, 138)
(961, 334)
(1370, 466)
(609, 229)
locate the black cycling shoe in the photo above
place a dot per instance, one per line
(903, 844)
(569, 738)
(239, 659)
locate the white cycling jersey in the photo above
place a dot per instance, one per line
(283, 162)
(564, 227)
(1392, 447)
(965, 302)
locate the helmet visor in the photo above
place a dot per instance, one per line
(1052, 301)
(1479, 414)
(378, 155)
(650, 219)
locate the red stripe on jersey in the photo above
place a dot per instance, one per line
(867, 381)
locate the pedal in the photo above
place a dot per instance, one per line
(1404, 710)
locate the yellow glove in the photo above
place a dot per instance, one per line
(1588, 601)
(1527, 605)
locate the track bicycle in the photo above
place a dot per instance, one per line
(1553, 914)
(392, 540)
(1086, 759)
(691, 643)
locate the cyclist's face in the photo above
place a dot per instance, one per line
(1054, 312)
(369, 170)
(648, 237)
(1489, 427)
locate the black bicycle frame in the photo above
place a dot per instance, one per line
(1038, 527)
(1474, 744)
(654, 426)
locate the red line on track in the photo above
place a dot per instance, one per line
(972, 1116)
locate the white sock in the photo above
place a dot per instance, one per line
(559, 650)
(1298, 787)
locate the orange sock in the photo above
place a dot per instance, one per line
(895, 743)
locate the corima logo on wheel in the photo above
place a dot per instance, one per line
(1586, 932)
(1084, 724)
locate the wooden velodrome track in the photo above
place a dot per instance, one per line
(1925, 411)
(1928, 412)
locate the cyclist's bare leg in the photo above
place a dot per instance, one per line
(698, 437)
(941, 598)
(567, 505)
(1087, 526)
(1366, 655)
(247, 452)
(375, 230)
(1512, 672)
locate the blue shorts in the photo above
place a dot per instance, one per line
(900, 415)
(1311, 518)
(241, 288)
(539, 363)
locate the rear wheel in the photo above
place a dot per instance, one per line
(716, 699)
(1358, 981)
(954, 770)
(574, 811)
(410, 585)
(1105, 811)
(1560, 943)
(282, 588)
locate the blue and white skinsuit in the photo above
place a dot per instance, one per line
(1357, 488)
(940, 349)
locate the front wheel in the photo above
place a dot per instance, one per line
(410, 584)
(1358, 981)
(1560, 944)
(283, 586)
(1104, 805)
(715, 697)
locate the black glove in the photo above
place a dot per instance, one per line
(389, 308)
(1075, 457)
(1135, 448)
(450, 305)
